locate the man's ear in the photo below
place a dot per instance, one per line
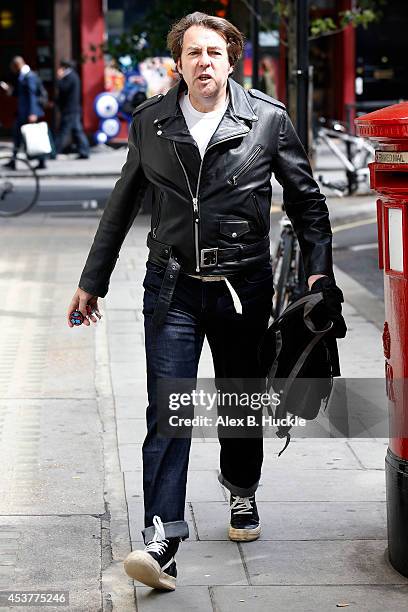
(178, 65)
(231, 70)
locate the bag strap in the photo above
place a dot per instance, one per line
(309, 301)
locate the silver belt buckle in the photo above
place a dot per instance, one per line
(208, 258)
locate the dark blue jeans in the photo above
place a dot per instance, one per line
(71, 125)
(200, 309)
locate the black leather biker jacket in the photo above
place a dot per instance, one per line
(212, 213)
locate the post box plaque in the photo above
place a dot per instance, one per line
(391, 157)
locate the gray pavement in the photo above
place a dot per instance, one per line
(72, 413)
(72, 406)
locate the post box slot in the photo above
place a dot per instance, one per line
(392, 179)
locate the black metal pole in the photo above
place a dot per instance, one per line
(302, 71)
(255, 44)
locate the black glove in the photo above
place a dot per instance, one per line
(332, 299)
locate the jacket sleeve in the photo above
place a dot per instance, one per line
(31, 83)
(118, 216)
(304, 204)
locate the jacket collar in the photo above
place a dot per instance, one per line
(239, 102)
(233, 124)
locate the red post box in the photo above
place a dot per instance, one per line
(388, 129)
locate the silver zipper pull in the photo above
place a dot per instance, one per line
(195, 204)
(234, 181)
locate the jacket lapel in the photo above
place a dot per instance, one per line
(236, 122)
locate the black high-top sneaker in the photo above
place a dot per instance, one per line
(245, 525)
(155, 565)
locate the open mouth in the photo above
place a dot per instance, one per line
(204, 77)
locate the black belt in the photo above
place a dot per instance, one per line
(209, 258)
(162, 254)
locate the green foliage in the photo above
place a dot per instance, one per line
(362, 14)
(147, 38)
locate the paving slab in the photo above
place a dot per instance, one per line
(125, 377)
(319, 563)
(201, 486)
(119, 327)
(299, 520)
(34, 349)
(51, 456)
(128, 351)
(123, 295)
(133, 407)
(278, 484)
(370, 361)
(131, 430)
(370, 453)
(123, 314)
(309, 599)
(312, 453)
(191, 599)
(130, 457)
(209, 563)
(40, 561)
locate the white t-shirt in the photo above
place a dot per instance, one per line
(201, 125)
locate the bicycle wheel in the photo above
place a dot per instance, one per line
(282, 283)
(19, 187)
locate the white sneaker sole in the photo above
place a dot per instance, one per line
(244, 535)
(140, 566)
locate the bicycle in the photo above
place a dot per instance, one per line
(287, 268)
(355, 161)
(19, 187)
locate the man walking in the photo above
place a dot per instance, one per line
(208, 149)
(29, 109)
(69, 104)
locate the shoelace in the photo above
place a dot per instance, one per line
(242, 505)
(159, 543)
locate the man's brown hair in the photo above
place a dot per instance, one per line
(234, 38)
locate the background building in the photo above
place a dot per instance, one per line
(354, 70)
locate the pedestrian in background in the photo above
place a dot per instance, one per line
(69, 104)
(268, 77)
(28, 91)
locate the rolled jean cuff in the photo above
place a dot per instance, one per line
(173, 529)
(238, 490)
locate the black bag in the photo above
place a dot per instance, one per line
(41, 93)
(297, 360)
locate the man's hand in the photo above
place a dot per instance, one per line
(32, 118)
(79, 302)
(332, 298)
(314, 278)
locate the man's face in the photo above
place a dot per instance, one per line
(204, 62)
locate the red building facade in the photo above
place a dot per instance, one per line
(43, 33)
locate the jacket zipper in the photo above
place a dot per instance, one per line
(196, 211)
(156, 227)
(194, 199)
(259, 214)
(246, 165)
